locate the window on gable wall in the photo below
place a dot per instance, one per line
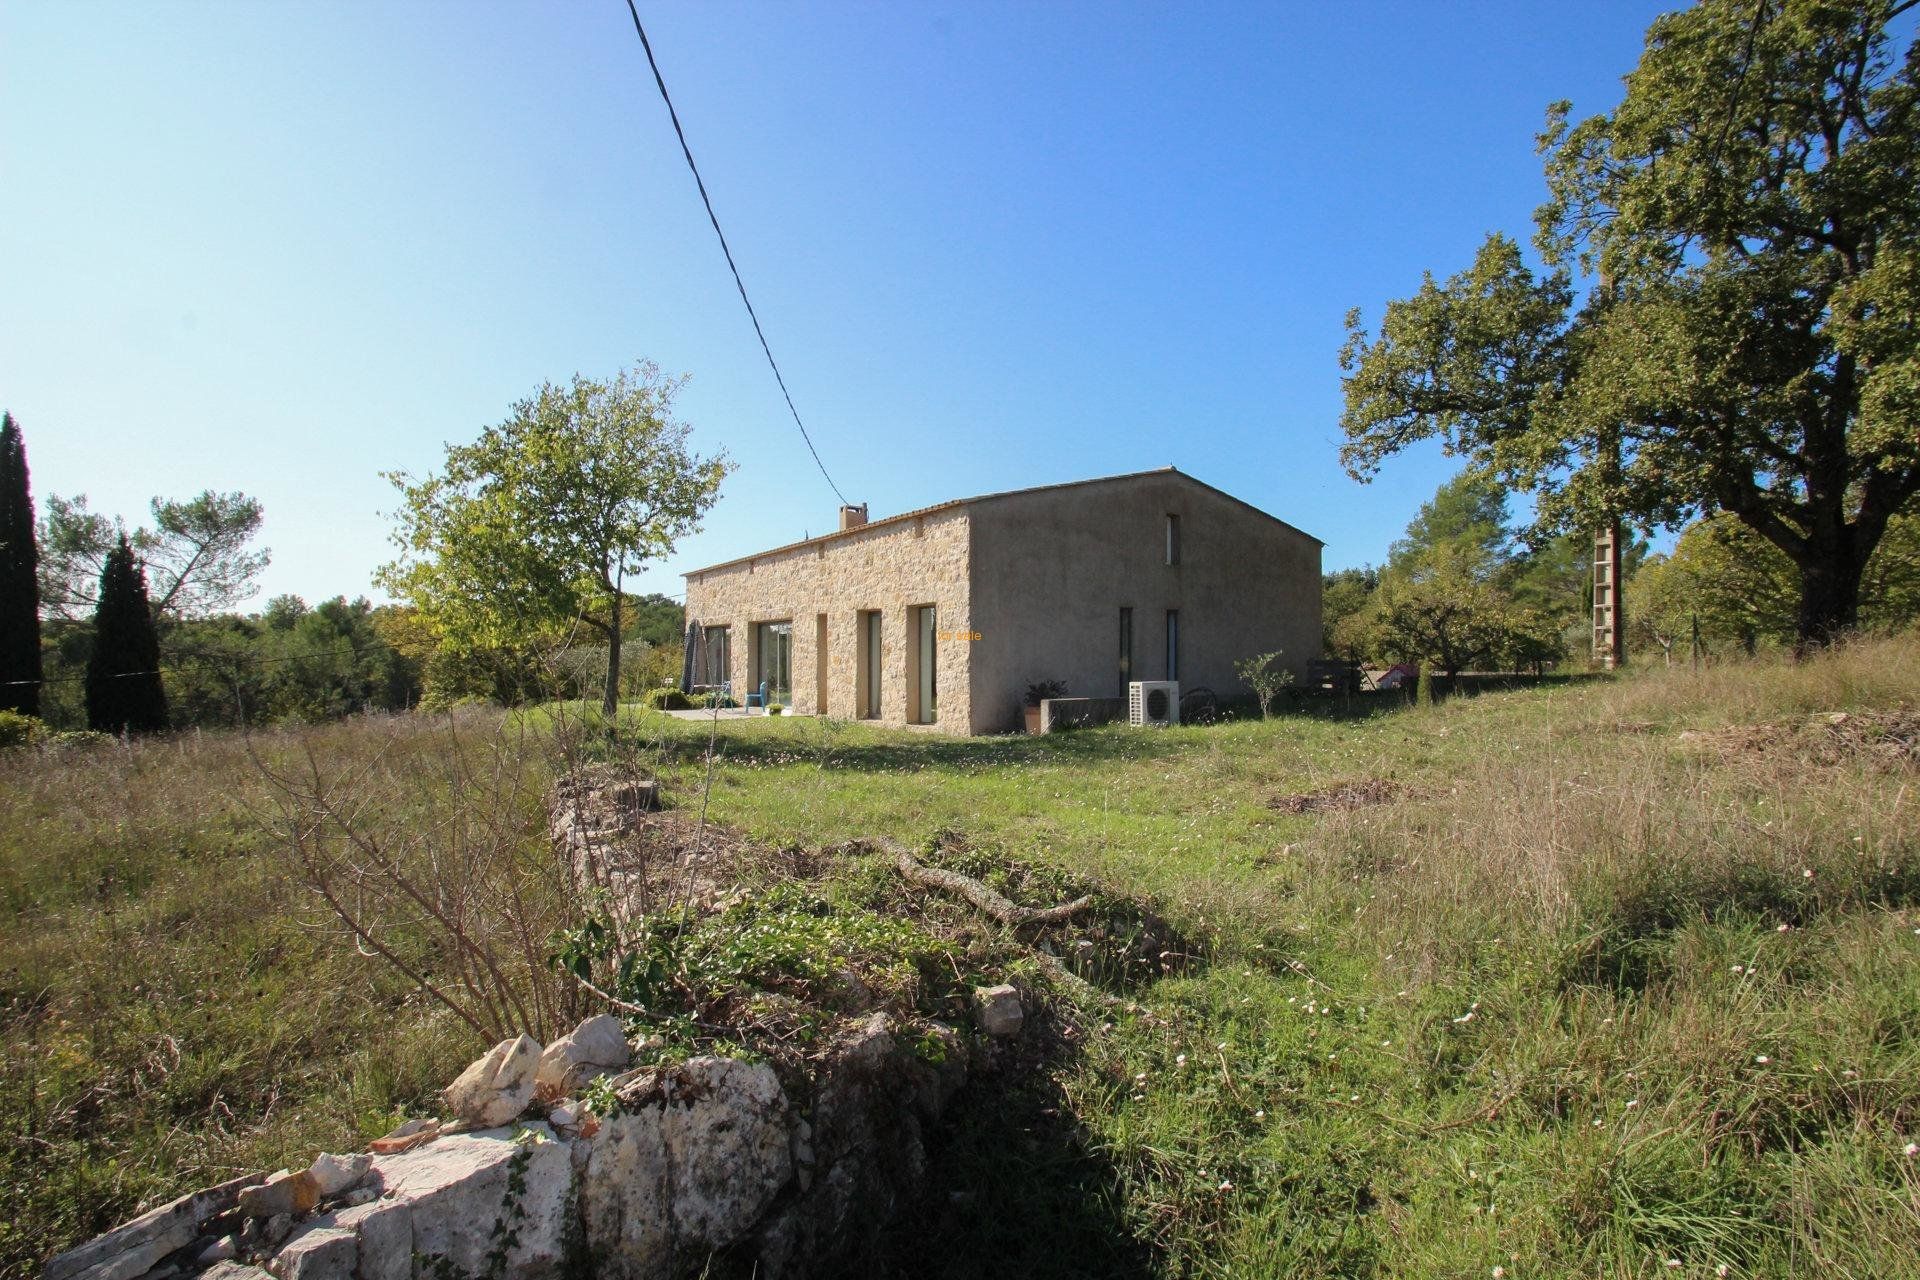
(1173, 539)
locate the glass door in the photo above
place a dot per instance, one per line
(776, 661)
(929, 656)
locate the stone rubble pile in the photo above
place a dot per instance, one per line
(708, 1156)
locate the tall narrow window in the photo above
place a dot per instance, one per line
(820, 664)
(1173, 644)
(926, 665)
(869, 664)
(1173, 539)
(1126, 650)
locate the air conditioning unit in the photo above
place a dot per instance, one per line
(1153, 702)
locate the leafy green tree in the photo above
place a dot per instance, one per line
(1890, 589)
(1468, 516)
(1752, 206)
(124, 693)
(535, 527)
(1740, 590)
(198, 553)
(1442, 609)
(1344, 594)
(290, 664)
(74, 545)
(657, 619)
(20, 669)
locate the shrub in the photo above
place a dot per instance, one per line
(1041, 690)
(75, 740)
(17, 730)
(667, 700)
(1266, 677)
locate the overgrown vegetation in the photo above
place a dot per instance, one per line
(1588, 979)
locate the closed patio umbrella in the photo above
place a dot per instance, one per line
(690, 657)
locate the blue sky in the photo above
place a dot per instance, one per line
(284, 247)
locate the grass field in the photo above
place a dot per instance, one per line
(1612, 983)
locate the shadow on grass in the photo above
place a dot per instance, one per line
(808, 745)
(809, 740)
(1015, 1187)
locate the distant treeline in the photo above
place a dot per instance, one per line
(295, 662)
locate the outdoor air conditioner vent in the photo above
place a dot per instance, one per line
(1153, 702)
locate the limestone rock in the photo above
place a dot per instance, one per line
(997, 1010)
(219, 1251)
(691, 1167)
(866, 1148)
(334, 1174)
(386, 1239)
(455, 1190)
(283, 1193)
(320, 1251)
(234, 1271)
(596, 1046)
(496, 1088)
(635, 796)
(131, 1250)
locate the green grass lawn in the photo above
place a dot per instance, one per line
(1591, 998)
(1601, 991)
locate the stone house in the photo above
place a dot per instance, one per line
(943, 616)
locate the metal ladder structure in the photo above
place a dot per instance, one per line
(1609, 611)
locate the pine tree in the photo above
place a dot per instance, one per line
(19, 578)
(124, 694)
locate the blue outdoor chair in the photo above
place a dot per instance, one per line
(758, 699)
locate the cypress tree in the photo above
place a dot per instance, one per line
(124, 694)
(19, 578)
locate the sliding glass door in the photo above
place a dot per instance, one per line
(775, 644)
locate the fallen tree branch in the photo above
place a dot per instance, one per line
(955, 885)
(1067, 980)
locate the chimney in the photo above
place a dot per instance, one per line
(852, 517)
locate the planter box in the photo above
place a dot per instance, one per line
(1079, 713)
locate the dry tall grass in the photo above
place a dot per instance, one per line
(176, 1006)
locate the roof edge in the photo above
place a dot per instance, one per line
(955, 503)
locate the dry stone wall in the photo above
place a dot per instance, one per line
(704, 1158)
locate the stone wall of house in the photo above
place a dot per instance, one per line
(1052, 568)
(891, 567)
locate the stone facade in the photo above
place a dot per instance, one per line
(1028, 586)
(831, 583)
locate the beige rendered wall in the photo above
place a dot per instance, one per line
(1052, 569)
(891, 567)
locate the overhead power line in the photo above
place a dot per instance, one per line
(687, 151)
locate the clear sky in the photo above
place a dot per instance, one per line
(283, 247)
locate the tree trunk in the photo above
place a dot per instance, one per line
(611, 702)
(1829, 600)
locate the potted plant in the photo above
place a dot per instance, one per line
(774, 709)
(1038, 693)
